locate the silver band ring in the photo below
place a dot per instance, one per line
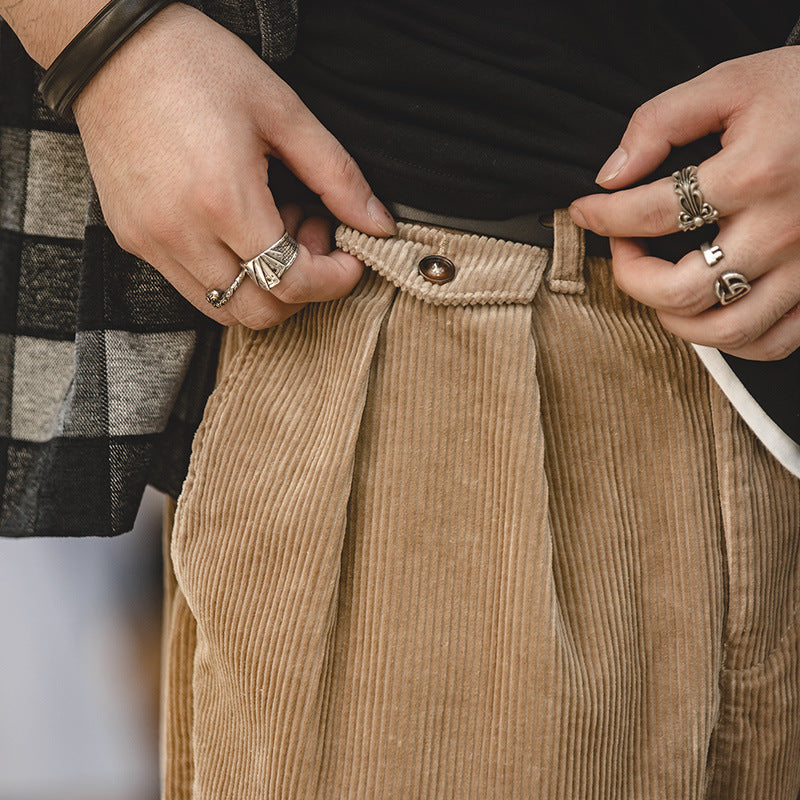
(712, 253)
(695, 212)
(218, 298)
(268, 267)
(731, 286)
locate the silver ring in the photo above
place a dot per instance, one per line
(695, 211)
(731, 286)
(712, 253)
(268, 267)
(218, 298)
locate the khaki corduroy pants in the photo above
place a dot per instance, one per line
(495, 539)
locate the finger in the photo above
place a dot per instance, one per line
(680, 289)
(196, 265)
(733, 327)
(251, 223)
(324, 166)
(675, 117)
(650, 210)
(247, 306)
(779, 342)
(216, 267)
(328, 277)
(316, 233)
(653, 209)
(686, 288)
(192, 288)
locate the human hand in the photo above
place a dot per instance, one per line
(754, 182)
(178, 127)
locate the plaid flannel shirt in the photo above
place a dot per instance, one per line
(104, 367)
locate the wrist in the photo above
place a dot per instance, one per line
(45, 27)
(92, 46)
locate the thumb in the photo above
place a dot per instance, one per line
(680, 115)
(316, 157)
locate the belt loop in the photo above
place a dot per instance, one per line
(569, 251)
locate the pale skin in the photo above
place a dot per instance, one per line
(754, 182)
(180, 165)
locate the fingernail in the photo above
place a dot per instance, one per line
(578, 218)
(380, 216)
(616, 161)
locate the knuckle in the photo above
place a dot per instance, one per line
(225, 317)
(656, 217)
(762, 174)
(343, 165)
(210, 199)
(293, 293)
(164, 226)
(210, 195)
(644, 118)
(684, 298)
(739, 183)
(258, 316)
(769, 169)
(621, 278)
(594, 221)
(775, 349)
(730, 336)
(294, 288)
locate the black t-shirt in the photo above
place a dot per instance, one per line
(489, 110)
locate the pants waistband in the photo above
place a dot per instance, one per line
(534, 228)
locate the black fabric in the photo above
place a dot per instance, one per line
(775, 386)
(491, 110)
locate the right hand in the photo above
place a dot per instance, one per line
(178, 127)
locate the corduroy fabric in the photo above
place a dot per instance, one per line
(499, 538)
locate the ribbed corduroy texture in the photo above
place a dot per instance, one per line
(496, 539)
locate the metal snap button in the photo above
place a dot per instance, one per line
(437, 269)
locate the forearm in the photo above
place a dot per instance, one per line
(45, 27)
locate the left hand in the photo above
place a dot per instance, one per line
(754, 182)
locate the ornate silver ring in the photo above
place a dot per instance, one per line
(268, 267)
(712, 253)
(218, 298)
(695, 211)
(731, 286)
